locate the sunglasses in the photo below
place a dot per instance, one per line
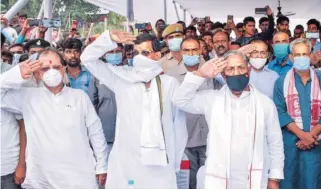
(146, 53)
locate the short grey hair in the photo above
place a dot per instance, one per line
(301, 41)
(235, 52)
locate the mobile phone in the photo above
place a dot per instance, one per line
(229, 18)
(201, 20)
(34, 22)
(140, 25)
(34, 56)
(261, 11)
(51, 23)
(312, 35)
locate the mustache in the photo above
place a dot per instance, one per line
(221, 46)
(74, 60)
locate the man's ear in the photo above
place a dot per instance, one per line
(291, 58)
(158, 55)
(313, 58)
(223, 74)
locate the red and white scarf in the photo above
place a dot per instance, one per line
(292, 99)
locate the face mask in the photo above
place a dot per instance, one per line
(238, 82)
(114, 58)
(281, 51)
(175, 44)
(146, 69)
(301, 63)
(191, 60)
(16, 58)
(130, 62)
(52, 78)
(34, 56)
(258, 63)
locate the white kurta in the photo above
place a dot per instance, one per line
(241, 132)
(125, 158)
(60, 131)
(9, 136)
(190, 100)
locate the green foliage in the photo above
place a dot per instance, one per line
(78, 10)
(31, 9)
(115, 21)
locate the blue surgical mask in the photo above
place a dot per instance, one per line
(16, 58)
(130, 62)
(114, 58)
(191, 60)
(175, 44)
(301, 63)
(281, 51)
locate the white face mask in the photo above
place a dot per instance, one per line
(52, 78)
(258, 63)
(146, 68)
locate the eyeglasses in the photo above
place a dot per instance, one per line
(165, 52)
(56, 67)
(146, 52)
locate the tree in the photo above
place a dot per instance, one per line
(79, 10)
(62, 8)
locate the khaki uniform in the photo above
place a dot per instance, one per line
(172, 67)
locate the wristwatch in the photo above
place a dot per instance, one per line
(276, 180)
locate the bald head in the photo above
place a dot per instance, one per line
(281, 38)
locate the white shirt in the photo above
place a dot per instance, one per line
(188, 99)
(264, 81)
(9, 138)
(60, 129)
(11, 32)
(241, 132)
(125, 158)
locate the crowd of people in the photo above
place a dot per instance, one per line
(121, 111)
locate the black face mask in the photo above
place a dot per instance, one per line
(238, 82)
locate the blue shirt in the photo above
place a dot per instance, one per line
(304, 99)
(82, 81)
(301, 168)
(276, 66)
